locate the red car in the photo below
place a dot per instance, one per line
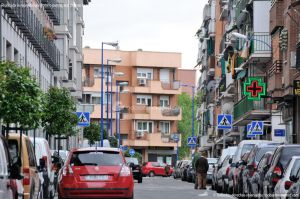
(156, 169)
(95, 173)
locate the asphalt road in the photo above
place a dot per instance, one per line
(161, 188)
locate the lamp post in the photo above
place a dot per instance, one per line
(119, 84)
(107, 75)
(193, 106)
(114, 44)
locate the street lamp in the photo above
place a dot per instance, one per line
(193, 106)
(113, 44)
(118, 60)
(241, 36)
(119, 84)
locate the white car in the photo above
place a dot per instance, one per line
(285, 183)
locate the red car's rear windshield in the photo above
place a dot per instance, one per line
(96, 158)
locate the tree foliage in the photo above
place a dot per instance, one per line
(185, 125)
(59, 116)
(20, 97)
(92, 133)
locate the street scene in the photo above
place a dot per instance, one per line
(149, 99)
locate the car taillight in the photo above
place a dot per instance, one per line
(26, 174)
(227, 171)
(125, 171)
(287, 185)
(277, 171)
(45, 159)
(67, 170)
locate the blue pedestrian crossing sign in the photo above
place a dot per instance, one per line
(131, 152)
(83, 118)
(257, 127)
(224, 121)
(192, 141)
(176, 138)
(249, 131)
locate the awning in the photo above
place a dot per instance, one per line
(241, 74)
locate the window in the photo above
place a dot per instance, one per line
(164, 101)
(31, 155)
(97, 71)
(144, 73)
(97, 99)
(164, 127)
(146, 126)
(144, 100)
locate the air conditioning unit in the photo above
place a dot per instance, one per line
(139, 134)
(142, 81)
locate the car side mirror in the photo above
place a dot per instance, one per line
(214, 166)
(15, 170)
(230, 160)
(219, 166)
(42, 165)
(294, 178)
(55, 159)
(265, 168)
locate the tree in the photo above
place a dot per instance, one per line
(185, 125)
(92, 133)
(20, 97)
(59, 114)
(136, 155)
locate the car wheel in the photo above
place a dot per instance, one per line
(151, 174)
(140, 180)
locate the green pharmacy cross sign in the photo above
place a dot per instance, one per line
(254, 88)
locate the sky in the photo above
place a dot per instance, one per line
(151, 25)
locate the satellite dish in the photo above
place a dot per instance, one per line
(211, 85)
(227, 108)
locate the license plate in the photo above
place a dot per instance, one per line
(96, 177)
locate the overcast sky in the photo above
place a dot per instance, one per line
(152, 25)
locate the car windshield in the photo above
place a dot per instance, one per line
(96, 158)
(287, 154)
(132, 160)
(263, 151)
(246, 148)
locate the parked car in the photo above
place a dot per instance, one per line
(31, 180)
(155, 169)
(221, 184)
(42, 151)
(211, 163)
(279, 161)
(9, 174)
(191, 174)
(255, 156)
(294, 190)
(136, 168)
(218, 165)
(62, 153)
(257, 179)
(243, 147)
(184, 169)
(95, 173)
(237, 175)
(176, 173)
(286, 181)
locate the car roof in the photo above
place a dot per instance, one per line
(295, 157)
(96, 149)
(289, 146)
(16, 136)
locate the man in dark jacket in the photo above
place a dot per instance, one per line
(201, 169)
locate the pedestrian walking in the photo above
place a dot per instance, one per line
(201, 170)
(195, 158)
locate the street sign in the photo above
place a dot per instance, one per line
(257, 127)
(224, 121)
(124, 148)
(249, 131)
(254, 88)
(279, 132)
(84, 118)
(192, 141)
(131, 152)
(175, 137)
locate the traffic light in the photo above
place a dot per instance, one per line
(283, 39)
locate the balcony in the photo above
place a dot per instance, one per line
(144, 112)
(246, 111)
(145, 139)
(52, 8)
(240, 13)
(95, 114)
(157, 87)
(275, 79)
(32, 28)
(260, 48)
(276, 15)
(70, 84)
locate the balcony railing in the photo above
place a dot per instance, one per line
(52, 8)
(88, 82)
(245, 105)
(170, 111)
(31, 27)
(260, 43)
(275, 68)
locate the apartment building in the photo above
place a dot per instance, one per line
(149, 111)
(46, 36)
(188, 77)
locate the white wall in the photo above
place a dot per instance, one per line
(261, 16)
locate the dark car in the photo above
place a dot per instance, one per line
(191, 173)
(279, 161)
(255, 156)
(184, 170)
(176, 173)
(136, 168)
